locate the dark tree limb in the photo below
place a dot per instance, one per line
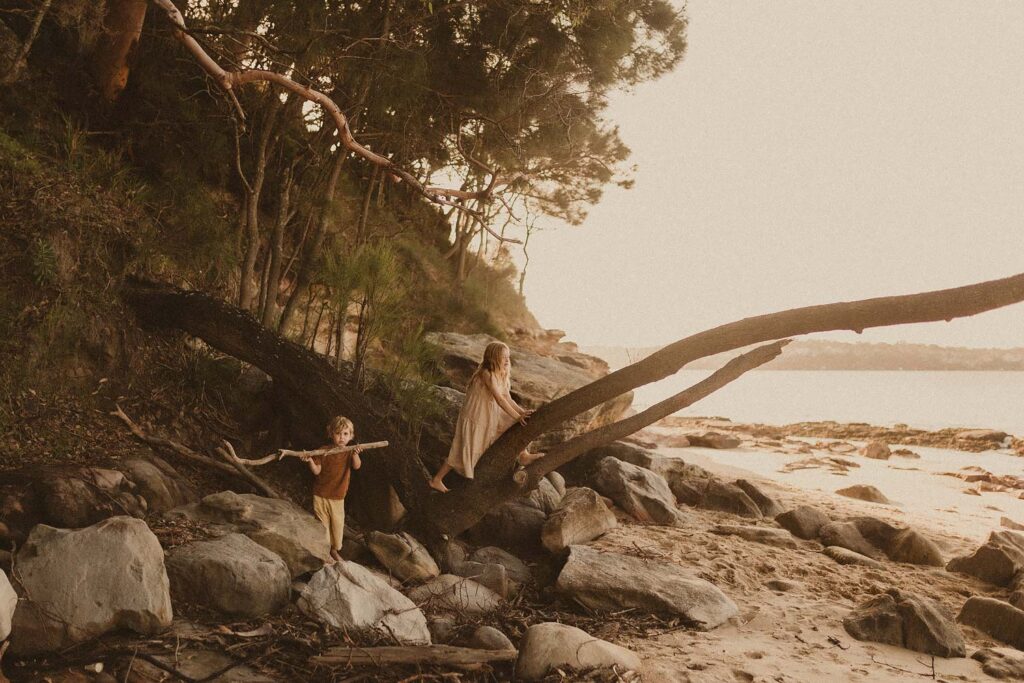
(448, 655)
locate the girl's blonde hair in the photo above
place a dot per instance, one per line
(337, 424)
(492, 361)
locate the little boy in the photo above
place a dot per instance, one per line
(333, 473)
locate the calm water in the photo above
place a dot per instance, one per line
(926, 400)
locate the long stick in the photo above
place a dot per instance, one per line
(461, 657)
(285, 453)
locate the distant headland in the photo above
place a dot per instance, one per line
(830, 355)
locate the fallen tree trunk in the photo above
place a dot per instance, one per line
(448, 655)
(319, 391)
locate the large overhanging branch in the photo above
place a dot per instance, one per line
(945, 304)
(229, 80)
(731, 371)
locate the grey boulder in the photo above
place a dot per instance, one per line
(405, 557)
(160, 484)
(550, 646)
(83, 583)
(8, 603)
(490, 638)
(611, 582)
(909, 621)
(456, 594)
(346, 595)
(231, 574)
(640, 492)
(515, 568)
(581, 516)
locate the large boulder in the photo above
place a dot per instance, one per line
(278, 525)
(906, 620)
(998, 561)
(803, 522)
(551, 646)
(611, 582)
(8, 603)
(899, 544)
(232, 574)
(346, 595)
(405, 557)
(125, 586)
(456, 594)
(995, 618)
(158, 483)
(511, 525)
(515, 568)
(642, 493)
(536, 379)
(581, 516)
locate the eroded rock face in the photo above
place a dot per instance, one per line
(549, 646)
(278, 525)
(581, 516)
(536, 379)
(996, 618)
(8, 603)
(126, 585)
(231, 574)
(405, 557)
(803, 522)
(346, 595)
(640, 492)
(457, 594)
(610, 582)
(909, 621)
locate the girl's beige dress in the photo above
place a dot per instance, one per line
(481, 422)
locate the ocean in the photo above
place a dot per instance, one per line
(925, 400)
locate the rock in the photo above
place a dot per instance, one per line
(455, 593)
(545, 497)
(847, 535)
(490, 638)
(844, 556)
(718, 495)
(995, 618)
(864, 492)
(442, 627)
(611, 582)
(803, 522)
(558, 481)
(125, 586)
(758, 534)
(451, 554)
(1008, 523)
(877, 450)
(906, 620)
(998, 561)
(536, 379)
(346, 595)
(198, 665)
(781, 585)
(580, 517)
(159, 484)
(405, 557)
(511, 525)
(493, 576)
(906, 453)
(769, 507)
(999, 662)
(641, 493)
(278, 525)
(581, 470)
(232, 574)
(911, 547)
(79, 497)
(714, 440)
(8, 603)
(551, 646)
(515, 568)
(992, 436)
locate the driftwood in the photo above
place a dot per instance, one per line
(230, 468)
(285, 453)
(448, 655)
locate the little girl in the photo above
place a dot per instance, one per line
(487, 412)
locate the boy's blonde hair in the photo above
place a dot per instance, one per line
(337, 424)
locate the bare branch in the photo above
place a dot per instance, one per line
(284, 453)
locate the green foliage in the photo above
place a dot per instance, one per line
(43, 263)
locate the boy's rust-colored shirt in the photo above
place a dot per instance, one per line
(335, 473)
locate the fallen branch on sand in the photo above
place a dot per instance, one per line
(459, 657)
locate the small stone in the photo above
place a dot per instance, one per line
(803, 522)
(781, 585)
(877, 450)
(844, 556)
(490, 638)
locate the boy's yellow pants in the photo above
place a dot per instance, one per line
(332, 513)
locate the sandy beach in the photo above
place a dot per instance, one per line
(797, 634)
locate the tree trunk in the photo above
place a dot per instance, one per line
(122, 28)
(319, 391)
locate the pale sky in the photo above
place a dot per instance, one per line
(806, 152)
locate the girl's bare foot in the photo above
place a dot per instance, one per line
(438, 485)
(526, 457)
